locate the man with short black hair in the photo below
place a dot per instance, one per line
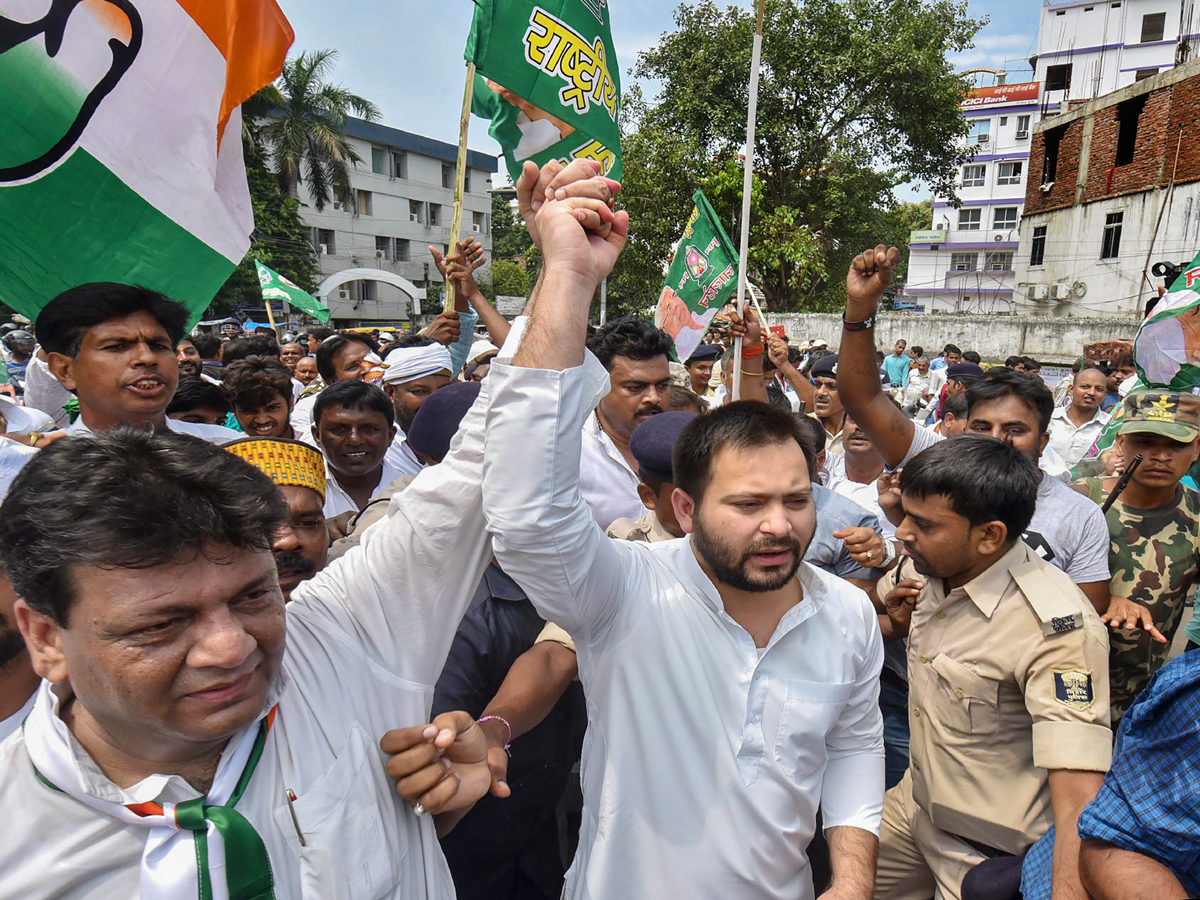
(340, 357)
(190, 363)
(897, 365)
(113, 346)
(1008, 692)
(260, 391)
(353, 426)
(635, 353)
(256, 344)
(1074, 428)
(316, 336)
(199, 402)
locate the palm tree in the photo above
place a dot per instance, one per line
(306, 127)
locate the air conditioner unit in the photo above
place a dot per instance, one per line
(343, 295)
(982, 141)
(476, 228)
(414, 217)
(1037, 292)
(324, 249)
(1062, 292)
(997, 237)
(381, 254)
(1022, 135)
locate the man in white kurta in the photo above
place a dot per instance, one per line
(707, 756)
(366, 641)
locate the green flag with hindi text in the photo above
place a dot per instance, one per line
(702, 278)
(276, 287)
(548, 80)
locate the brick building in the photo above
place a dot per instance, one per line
(1113, 187)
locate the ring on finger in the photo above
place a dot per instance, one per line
(419, 809)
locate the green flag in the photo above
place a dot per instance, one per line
(548, 80)
(1166, 351)
(276, 287)
(702, 278)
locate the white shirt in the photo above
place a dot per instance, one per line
(704, 763)
(400, 456)
(302, 419)
(366, 641)
(337, 501)
(214, 434)
(918, 384)
(13, 722)
(297, 388)
(606, 481)
(23, 419)
(45, 392)
(1072, 443)
(865, 495)
(13, 457)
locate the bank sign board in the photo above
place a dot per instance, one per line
(1001, 95)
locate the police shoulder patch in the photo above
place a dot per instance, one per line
(1073, 688)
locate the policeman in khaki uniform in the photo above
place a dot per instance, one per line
(1008, 680)
(651, 444)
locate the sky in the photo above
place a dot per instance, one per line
(406, 55)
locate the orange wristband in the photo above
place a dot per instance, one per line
(753, 352)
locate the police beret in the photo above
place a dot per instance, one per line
(964, 371)
(825, 367)
(653, 442)
(704, 353)
(439, 417)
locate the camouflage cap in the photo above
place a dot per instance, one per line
(1168, 413)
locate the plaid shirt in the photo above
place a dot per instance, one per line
(1148, 802)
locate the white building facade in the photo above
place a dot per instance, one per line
(374, 252)
(965, 262)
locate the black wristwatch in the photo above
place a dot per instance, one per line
(868, 322)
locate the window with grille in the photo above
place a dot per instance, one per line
(964, 262)
(1004, 217)
(1010, 173)
(970, 219)
(1153, 27)
(973, 176)
(999, 261)
(1037, 250)
(1110, 246)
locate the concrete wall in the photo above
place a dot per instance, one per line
(992, 337)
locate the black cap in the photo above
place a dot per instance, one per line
(704, 353)
(825, 367)
(653, 442)
(439, 417)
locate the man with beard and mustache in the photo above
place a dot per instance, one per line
(190, 363)
(636, 354)
(301, 544)
(417, 368)
(731, 686)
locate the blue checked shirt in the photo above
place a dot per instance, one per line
(1147, 804)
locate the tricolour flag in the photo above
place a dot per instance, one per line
(702, 278)
(120, 142)
(548, 80)
(276, 287)
(1166, 351)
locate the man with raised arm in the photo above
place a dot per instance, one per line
(732, 688)
(1066, 533)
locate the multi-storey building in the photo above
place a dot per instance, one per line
(374, 251)
(965, 262)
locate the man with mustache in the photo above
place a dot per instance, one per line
(635, 353)
(301, 544)
(113, 346)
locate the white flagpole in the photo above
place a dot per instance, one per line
(747, 184)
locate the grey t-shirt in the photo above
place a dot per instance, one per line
(1068, 530)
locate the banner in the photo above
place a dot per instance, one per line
(276, 287)
(702, 279)
(1166, 351)
(548, 80)
(120, 143)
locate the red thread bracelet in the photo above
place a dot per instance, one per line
(754, 352)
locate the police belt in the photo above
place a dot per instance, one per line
(989, 852)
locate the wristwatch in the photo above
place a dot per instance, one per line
(868, 322)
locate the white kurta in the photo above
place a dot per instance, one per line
(705, 761)
(366, 642)
(214, 434)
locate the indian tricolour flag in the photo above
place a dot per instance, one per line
(120, 142)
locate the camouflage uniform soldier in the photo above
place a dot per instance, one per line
(1155, 549)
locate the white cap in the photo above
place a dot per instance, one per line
(22, 420)
(819, 343)
(481, 347)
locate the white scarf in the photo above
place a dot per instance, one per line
(410, 363)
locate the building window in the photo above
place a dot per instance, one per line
(378, 161)
(1004, 217)
(402, 252)
(447, 176)
(326, 245)
(1143, 74)
(1003, 121)
(467, 182)
(399, 164)
(477, 223)
(1022, 127)
(414, 211)
(433, 215)
(1037, 252)
(1153, 26)
(970, 219)
(366, 291)
(363, 203)
(1128, 115)
(1110, 247)
(964, 262)
(1053, 139)
(383, 247)
(1010, 173)
(980, 131)
(998, 261)
(973, 176)
(1058, 78)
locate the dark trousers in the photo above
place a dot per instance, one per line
(893, 703)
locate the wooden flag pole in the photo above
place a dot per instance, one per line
(460, 176)
(747, 184)
(270, 315)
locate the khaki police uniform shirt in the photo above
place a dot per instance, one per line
(1008, 679)
(646, 529)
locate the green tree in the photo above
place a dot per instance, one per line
(305, 129)
(855, 98)
(509, 279)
